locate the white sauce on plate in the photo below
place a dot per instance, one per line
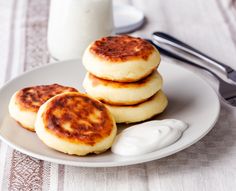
(148, 137)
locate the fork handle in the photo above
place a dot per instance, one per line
(164, 38)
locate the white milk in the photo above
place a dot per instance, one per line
(73, 24)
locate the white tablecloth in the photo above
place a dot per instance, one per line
(210, 164)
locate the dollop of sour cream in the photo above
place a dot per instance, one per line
(148, 137)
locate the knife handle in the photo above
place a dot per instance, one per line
(172, 54)
(164, 38)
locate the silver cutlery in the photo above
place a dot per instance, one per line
(163, 38)
(226, 90)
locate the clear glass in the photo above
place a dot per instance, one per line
(73, 24)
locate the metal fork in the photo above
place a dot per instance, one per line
(226, 90)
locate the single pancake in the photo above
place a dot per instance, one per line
(121, 58)
(120, 93)
(140, 112)
(24, 104)
(75, 123)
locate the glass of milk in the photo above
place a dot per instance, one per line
(73, 24)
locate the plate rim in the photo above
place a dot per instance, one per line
(113, 163)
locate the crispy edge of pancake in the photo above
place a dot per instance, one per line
(23, 117)
(97, 81)
(127, 103)
(131, 80)
(25, 127)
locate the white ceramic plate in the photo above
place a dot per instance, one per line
(190, 99)
(127, 18)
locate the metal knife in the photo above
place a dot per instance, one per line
(162, 38)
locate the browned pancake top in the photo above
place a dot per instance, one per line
(77, 118)
(98, 81)
(31, 98)
(121, 48)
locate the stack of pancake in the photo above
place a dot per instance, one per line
(122, 73)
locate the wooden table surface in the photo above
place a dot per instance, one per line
(210, 164)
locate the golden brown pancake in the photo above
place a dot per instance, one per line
(25, 103)
(118, 93)
(75, 123)
(121, 58)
